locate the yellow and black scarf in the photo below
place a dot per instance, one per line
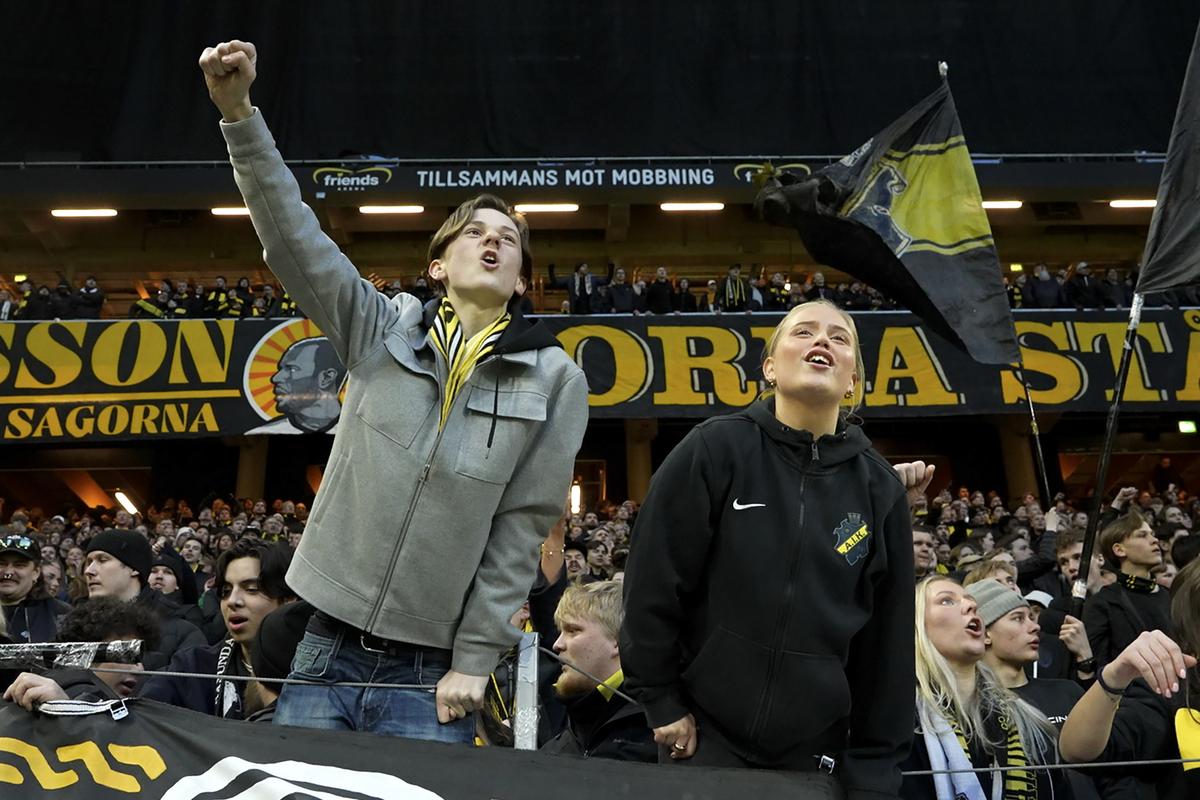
(461, 357)
(1019, 784)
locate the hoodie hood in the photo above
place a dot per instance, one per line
(844, 444)
(522, 334)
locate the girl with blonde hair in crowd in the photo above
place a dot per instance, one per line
(771, 565)
(966, 719)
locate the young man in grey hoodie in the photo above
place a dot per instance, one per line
(454, 451)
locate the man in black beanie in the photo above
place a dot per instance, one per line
(118, 565)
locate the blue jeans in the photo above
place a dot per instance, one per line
(330, 653)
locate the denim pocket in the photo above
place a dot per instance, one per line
(314, 655)
(431, 666)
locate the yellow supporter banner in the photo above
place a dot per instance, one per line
(101, 380)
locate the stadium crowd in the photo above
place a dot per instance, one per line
(195, 582)
(617, 292)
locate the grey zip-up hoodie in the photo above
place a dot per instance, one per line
(417, 535)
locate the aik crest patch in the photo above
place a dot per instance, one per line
(853, 538)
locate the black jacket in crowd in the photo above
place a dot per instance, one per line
(600, 728)
(1044, 293)
(177, 634)
(769, 591)
(660, 297)
(88, 302)
(1084, 291)
(1115, 616)
(34, 620)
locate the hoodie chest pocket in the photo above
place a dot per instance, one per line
(510, 420)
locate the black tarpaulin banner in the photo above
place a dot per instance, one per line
(159, 751)
(903, 213)
(1171, 259)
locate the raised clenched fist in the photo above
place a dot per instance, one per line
(229, 69)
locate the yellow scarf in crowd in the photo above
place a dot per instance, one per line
(461, 357)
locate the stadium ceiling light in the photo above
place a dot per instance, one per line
(540, 208)
(391, 209)
(231, 211)
(82, 213)
(1002, 204)
(1016, 267)
(20, 277)
(1132, 203)
(691, 206)
(125, 502)
(1187, 426)
(576, 497)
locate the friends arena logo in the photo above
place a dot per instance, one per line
(343, 179)
(294, 380)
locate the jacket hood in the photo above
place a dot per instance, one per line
(844, 444)
(522, 334)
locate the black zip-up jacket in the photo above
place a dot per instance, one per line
(769, 590)
(34, 619)
(605, 728)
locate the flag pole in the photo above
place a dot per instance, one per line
(1037, 438)
(1079, 590)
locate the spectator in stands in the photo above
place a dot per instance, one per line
(575, 558)
(620, 293)
(25, 293)
(252, 584)
(733, 292)
(89, 300)
(816, 289)
(116, 563)
(420, 290)
(1082, 290)
(103, 619)
(1116, 614)
(52, 579)
(161, 307)
(1116, 293)
(693, 644)
(1184, 551)
(1144, 703)
(1012, 640)
(856, 299)
(498, 500)
(924, 550)
(62, 304)
(580, 286)
(1043, 291)
(776, 294)
(31, 613)
(222, 301)
(271, 305)
(244, 293)
(600, 722)
(660, 295)
(37, 305)
(8, 306)
(685, 300)
(965, 717)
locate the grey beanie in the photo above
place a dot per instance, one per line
(993, 600)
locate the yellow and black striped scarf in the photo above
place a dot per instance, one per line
(735, 292)
(1019, 784)
(461, 357)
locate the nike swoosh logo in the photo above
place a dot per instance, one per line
(740, 507)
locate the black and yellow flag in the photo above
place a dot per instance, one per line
(903, 213)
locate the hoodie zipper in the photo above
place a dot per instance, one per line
(422, 480)
(784, 619)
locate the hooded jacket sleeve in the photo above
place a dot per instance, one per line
(668, 551)
(880, 670)
(529, 507)
(327, 287)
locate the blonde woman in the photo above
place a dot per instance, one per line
(966, 719)
(770, 576)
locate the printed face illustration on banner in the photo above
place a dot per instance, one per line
(295, 379)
